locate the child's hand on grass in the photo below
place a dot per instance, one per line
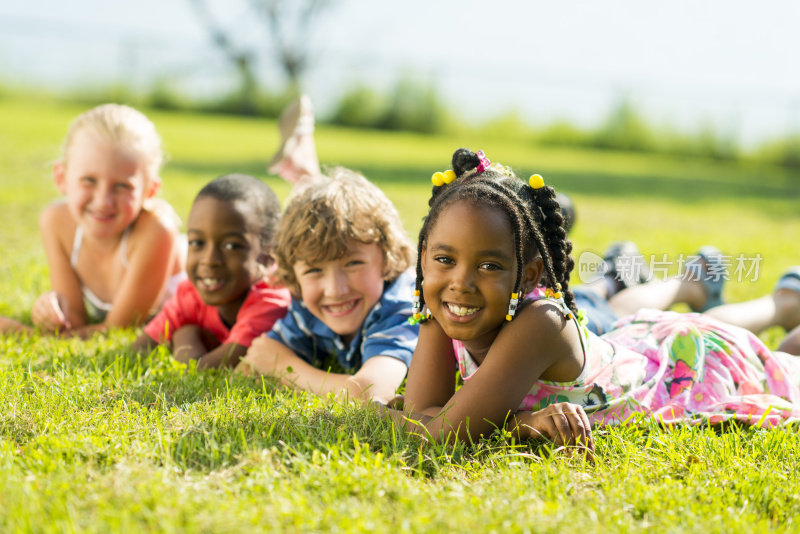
(564, 423)
(49, 312)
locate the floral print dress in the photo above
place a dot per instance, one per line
(675, 367)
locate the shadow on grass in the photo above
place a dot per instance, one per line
(217, 440)
(171, 389)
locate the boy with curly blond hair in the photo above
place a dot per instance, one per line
(343, 253)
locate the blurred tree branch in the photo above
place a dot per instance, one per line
(289, 26)
(241, 59)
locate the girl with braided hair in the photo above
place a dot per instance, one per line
(494, 301)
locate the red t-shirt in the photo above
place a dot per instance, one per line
(264, 305)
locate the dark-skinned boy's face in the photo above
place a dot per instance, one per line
(225, 254)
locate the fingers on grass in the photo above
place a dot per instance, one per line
(588, 426)
(574, 429)
(563, 429)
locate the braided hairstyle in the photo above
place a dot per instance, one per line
(534, 214)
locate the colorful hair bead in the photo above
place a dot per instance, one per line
(512, 306)
(536, 181)
(500, 168)
(484, 162)
(440, 178)
(416, 308)
(417, 315)
(559, 298)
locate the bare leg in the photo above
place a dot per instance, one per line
(791, 343)
(700, 286)
(296, 159)
(598, 287)
(658, 294)
(782, 308)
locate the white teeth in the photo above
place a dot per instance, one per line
(338, 308)
(210, 282)
(461, 311)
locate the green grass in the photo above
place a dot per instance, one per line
(94, 439)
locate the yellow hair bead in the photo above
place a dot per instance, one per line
(417, 316)
(449, 176)
(514, 295)
(416, 292)
(508, 317)
(557, 295)
(536, 181)
(437, 179)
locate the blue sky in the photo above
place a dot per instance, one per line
(684, 63)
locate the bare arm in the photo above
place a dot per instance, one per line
(144, 344)
(149, 265)
(536, 340)
(189, 343)
(226, 355)
(57, 229)
(378, 378)
(9, 326)
(151, 259)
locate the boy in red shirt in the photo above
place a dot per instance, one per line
(227, 300)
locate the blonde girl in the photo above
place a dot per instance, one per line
(112, 247)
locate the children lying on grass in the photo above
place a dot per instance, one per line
(487, 243)
(344, 254)
(296, 161)
(112, 247)
(228, 299)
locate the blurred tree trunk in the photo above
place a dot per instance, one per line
(289, 25)
(241, 59)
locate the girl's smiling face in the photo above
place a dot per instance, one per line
(469, 268)
(105, 185)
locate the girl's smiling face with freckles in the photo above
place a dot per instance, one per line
(469, 268)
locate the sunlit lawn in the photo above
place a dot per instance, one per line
(93, 439)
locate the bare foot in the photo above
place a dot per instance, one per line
(708, 268)
(787, 299)
(787, 308)
(296, 159)
(791, 343)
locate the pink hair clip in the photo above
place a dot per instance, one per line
(484, 162)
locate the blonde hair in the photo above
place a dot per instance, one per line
(120, 124)
(324, 215)
(130, 128)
